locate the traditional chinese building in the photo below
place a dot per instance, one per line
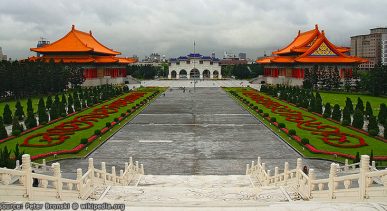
(100, 64)
(194, 66)
(309, 51)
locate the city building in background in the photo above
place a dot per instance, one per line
(370, 47)
(242, 56)
(194, 66)
(41, 43)
(100, 64)
(384, 49)
(309, 51)
(2, 56)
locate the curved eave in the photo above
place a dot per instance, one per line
(293, 45)
(329, 60)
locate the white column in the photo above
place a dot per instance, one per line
(364, 169)
(26, 167)
(331, 183)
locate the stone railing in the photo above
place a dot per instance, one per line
(368, 184)
(55, 187)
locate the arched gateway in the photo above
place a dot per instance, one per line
(198, 66)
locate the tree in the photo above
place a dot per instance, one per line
(17, 128)
(375, 81)
(7, 115)
(3, 131)
(70, 104)
(30, 121)
(49, 102)
(29, 106)
(349, 105)
(346, 117)
(318, 104)
(54, 112)
(77, 104)
(359, 105)
(385, 128)
(327, 111)
(368, 110)
(373, 128)
(19, 112)
(312, 103)
(336, 114)
(42, 114)
(358, 119)
(382, 113)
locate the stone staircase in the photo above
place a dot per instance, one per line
(208, 191)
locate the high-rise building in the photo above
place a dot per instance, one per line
(370, 47)
(242, 56)
(2, 56)
(384, 49)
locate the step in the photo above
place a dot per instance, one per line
(208, 190)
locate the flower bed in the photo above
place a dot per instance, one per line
(63, 131)
(329, 134)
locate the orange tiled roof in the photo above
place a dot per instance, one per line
(311, 47)
(84, 59)
(76, 41)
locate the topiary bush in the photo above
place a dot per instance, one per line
(292, 132)
(373, 132)
(16, 132)
(97, 132)
(255, 107)
(123, 114)
(281, 125)
(273, 119)
(116, 119)
(304, 141)
(260, 110)
(108, 124)
(84, 141)
(265, 114)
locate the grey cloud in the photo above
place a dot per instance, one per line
(170, 26)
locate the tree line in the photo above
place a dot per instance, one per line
(242, 71)
(20, 79)
(350, 115)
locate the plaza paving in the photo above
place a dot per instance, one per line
(194, 133)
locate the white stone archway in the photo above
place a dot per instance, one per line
(183, 74)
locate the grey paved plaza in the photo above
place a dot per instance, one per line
(194, 133)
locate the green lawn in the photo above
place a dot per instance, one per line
(334, 98)
(74, 140)
(379, 147)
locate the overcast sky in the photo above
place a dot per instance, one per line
(169, 27)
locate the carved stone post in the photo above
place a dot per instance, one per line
(131, 161)
(331, 183)
(80, 182)
(373, 165)
(259, 161)
(91, 169)
(268, 177)
(17, 164)
(26, 167)
(58, 182)
(137, 167)
(142, 169)
(312, 177)
(298, 169)
(247, 169)
(122, 176)
(114, 175)
(252, 165)
(364, 169)
(276, 175)
(103, 168)
(126, 166)
(346, 168)
(286, 172)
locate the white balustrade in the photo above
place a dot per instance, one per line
(363, 183)
(55, 187)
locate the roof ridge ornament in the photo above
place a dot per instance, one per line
(316, 26)
(73, 27)
(91, 33)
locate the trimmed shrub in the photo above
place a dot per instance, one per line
(327, 111)
(304, 141)
(108, 124)
(281, 125)
(116, 119)
(373, 132)
(16, 132)
(373, 125)
(123, 114)
(336, 114)
(134, 107)
(84, 141)
(255, 107)
(358, 119)
(97, 132)
(292, 132)
(260, 110)
(273, 119)
(265, 114)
